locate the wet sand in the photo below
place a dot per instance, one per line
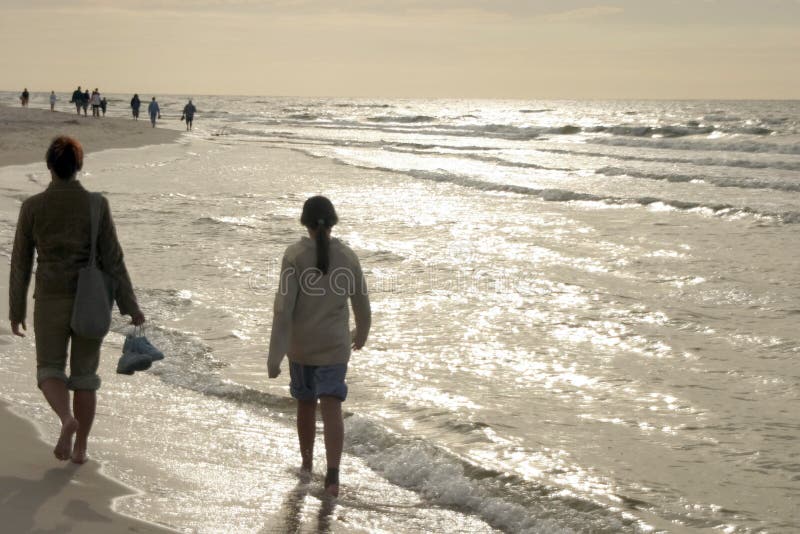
(39, 493)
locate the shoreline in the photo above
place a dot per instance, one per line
(25, 133)
(38, 492)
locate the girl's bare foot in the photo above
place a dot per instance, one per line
(304, 473)
(332, 482)
(64, 445)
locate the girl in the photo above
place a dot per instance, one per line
(311, 325)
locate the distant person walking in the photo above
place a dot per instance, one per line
(96, 103)
(154, 111)
(24, 97)
(85, 98)
(52, 100)
(310, 325)
(135, 105)
(77, 99)
(188, 114)
(103, 105)
(55, 224)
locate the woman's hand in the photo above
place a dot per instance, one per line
(137, 318)
(15, 328)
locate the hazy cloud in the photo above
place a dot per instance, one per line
(583, 13)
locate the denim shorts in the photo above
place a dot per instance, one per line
(310, 382)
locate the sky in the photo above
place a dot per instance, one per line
(521, 49)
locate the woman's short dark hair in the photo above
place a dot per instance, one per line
(65, 157)
(319, 214)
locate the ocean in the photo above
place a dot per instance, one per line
(584, 314)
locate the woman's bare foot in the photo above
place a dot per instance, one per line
(79, 452)
(64, 445)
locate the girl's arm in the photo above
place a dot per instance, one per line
(361, 307)
(285, 300)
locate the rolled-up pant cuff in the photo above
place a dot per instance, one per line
(45, 373)
(84, 383)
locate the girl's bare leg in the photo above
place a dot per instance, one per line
(333, 424)
(307, 431)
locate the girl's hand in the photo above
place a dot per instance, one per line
(355, 345)
(15, 328)
(273, 371)
(137, 318)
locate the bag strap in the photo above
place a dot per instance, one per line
(95, 201)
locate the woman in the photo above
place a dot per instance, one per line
(56, 224)
(311, 325)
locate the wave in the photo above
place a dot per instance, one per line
(704, 145)
(744, 183)
(529, 133)
(651, 131)
(303, 116)
(506, 502)
(704, 161)
(477, 157)
(246, 222)
(565, 195)
(435, 473)
(410, 119)
(348, 105)
(543, 110)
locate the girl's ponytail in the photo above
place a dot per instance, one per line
(320, 216)
(323, 247)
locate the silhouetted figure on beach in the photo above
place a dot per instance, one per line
(135, 105)
(103, 105)
(96, 103)
(310, 325)
(154, 111)
(77, 99)
(85, 102)
(188, 114)
(24, 97)
(52, 100)
(55, 225)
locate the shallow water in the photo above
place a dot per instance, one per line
(584, 314)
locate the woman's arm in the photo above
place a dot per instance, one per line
(113, 263)
(21, 268)
(285, 300)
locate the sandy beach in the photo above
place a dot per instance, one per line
(38, 493)
(26, 132)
